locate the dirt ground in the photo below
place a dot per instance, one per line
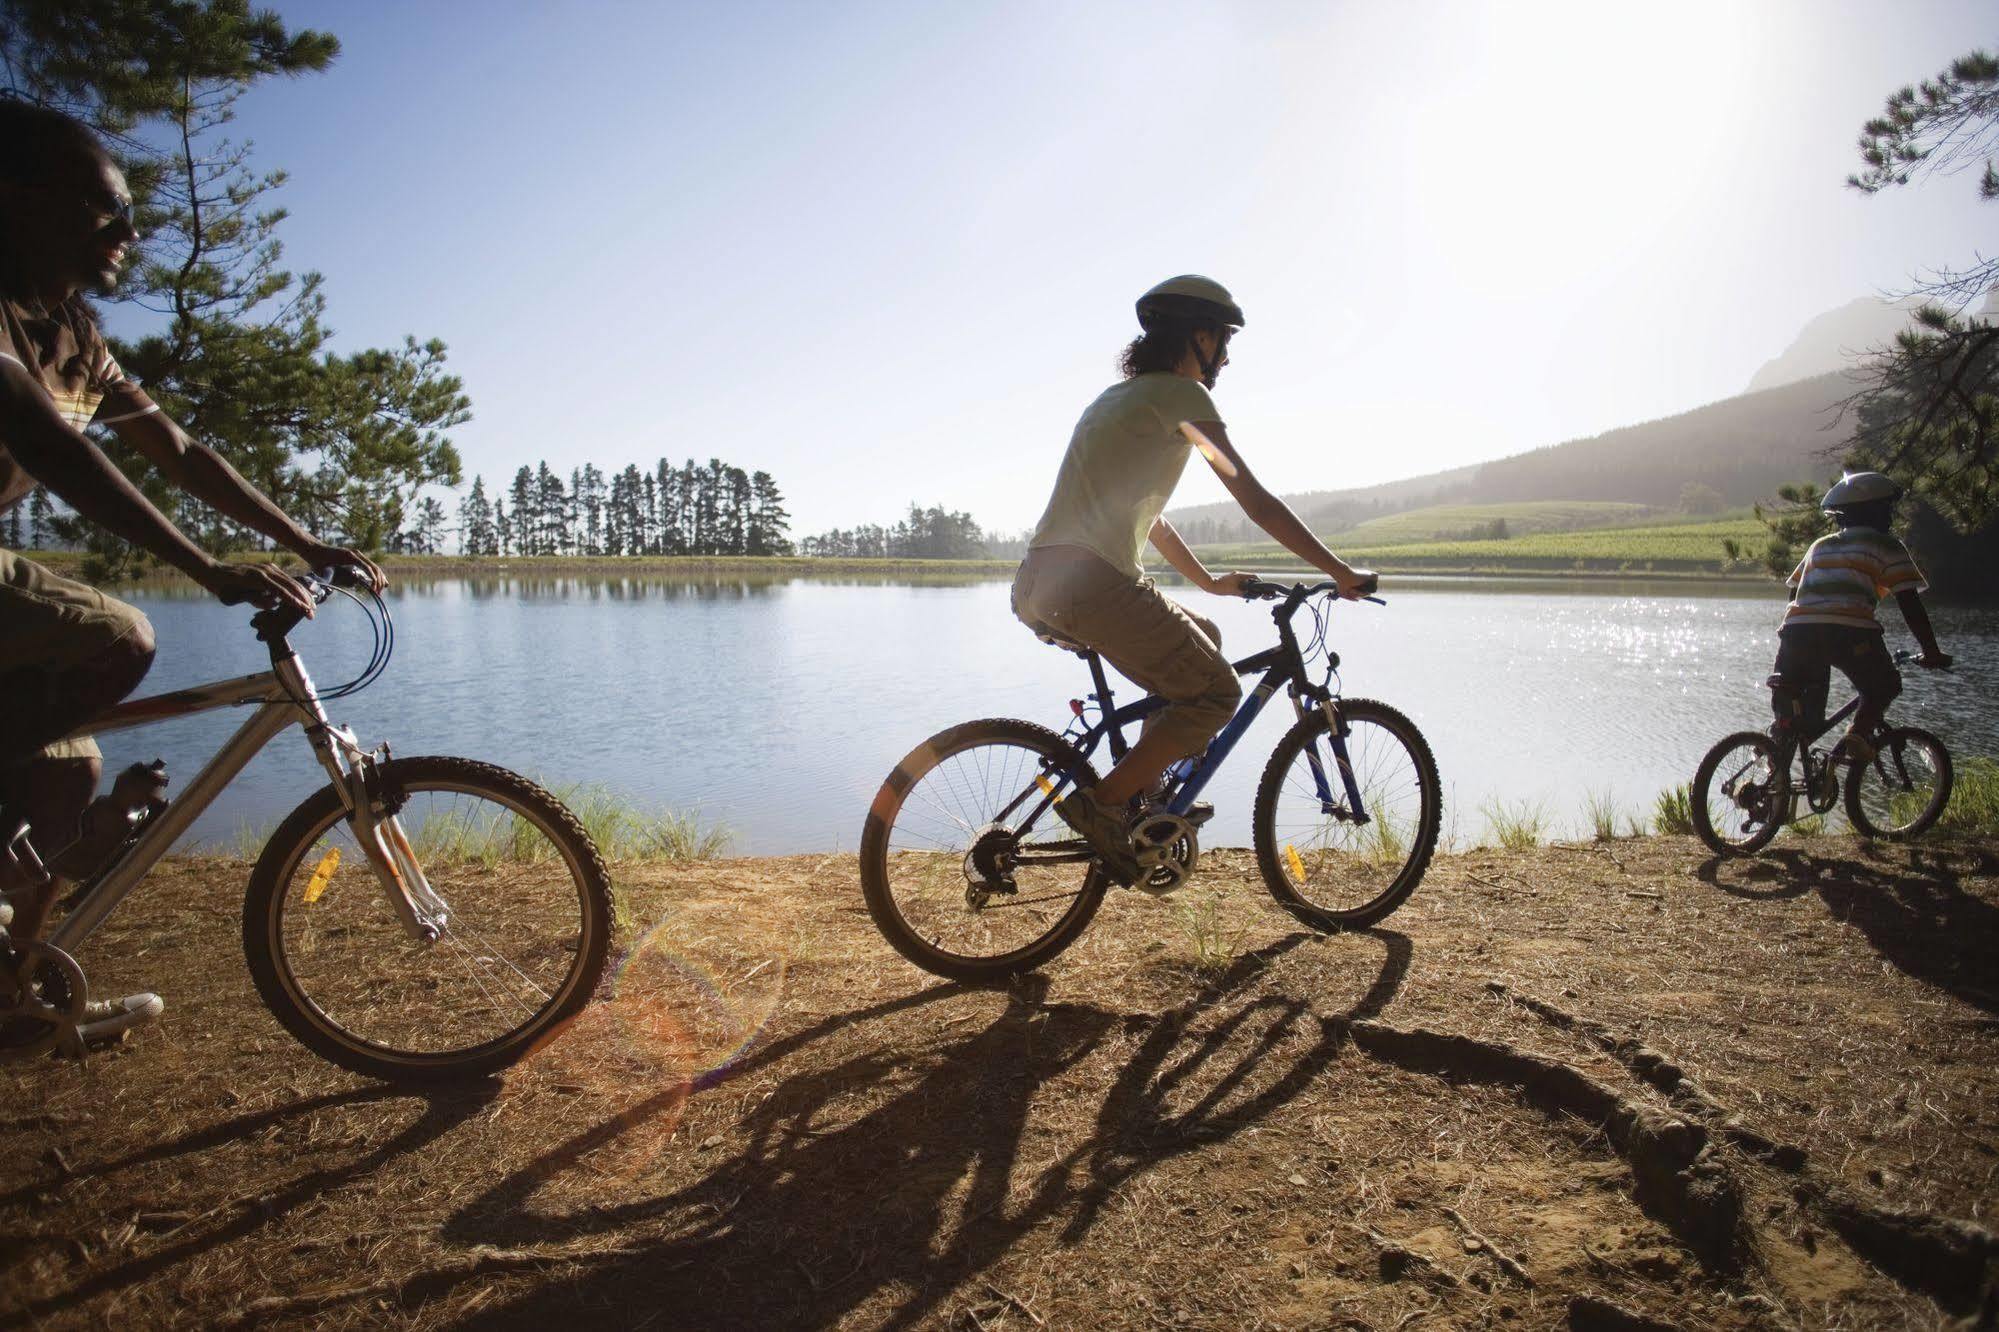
(1614, 1086)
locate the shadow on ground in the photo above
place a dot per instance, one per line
(823, 1211)
(1909, 902)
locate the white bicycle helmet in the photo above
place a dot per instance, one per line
(1858, 488)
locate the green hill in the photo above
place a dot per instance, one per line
(1661, 548)
(1442, 522)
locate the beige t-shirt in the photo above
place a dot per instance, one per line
(1123, 462)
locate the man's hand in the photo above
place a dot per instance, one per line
(1231, 584)
(1356, 583)
(319, 555)
(1936, 659)
(263, 585)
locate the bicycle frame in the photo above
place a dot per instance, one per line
(1283, 664)
(284, 696)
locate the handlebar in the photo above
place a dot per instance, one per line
(1257, 589)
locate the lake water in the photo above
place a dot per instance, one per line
(775, 707)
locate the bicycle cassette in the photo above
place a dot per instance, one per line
(1167, 847)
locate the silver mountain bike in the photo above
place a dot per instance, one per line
(417, 920)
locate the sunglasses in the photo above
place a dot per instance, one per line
(107, 206)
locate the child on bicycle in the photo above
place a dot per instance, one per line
(1082, 580)
(1831, 619)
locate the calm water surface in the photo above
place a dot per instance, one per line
(775, 707)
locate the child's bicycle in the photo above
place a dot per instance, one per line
(970, 873)
(1750, 784)
(417, 920)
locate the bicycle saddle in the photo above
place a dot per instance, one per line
(1053, 639)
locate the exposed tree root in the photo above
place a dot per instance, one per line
(1680, 1179)
(1953, 1262)
(1658, 1071)
(1587, 1313)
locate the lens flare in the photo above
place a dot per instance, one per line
(1216, 458)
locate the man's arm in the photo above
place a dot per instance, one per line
(1269, 512)
(76, 470)
(207, 475)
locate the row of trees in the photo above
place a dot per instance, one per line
(693, 509)
(925, 534)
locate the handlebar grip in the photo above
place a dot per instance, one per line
(1368, 588)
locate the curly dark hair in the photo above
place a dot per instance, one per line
(1163, 347)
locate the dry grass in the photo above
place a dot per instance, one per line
(773, 1122)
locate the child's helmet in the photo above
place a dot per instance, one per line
(1858, 488)
(1189, 299)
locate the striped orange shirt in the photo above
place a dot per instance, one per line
(1844, 576)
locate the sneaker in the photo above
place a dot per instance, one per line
(1105, 831)
(6, 912)
(106, 1020)
(1855, 747)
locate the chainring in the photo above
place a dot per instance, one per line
(42, 998)
(1168, 849)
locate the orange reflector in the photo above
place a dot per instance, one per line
(322, 875)
(1047, 787)
(1297, 865)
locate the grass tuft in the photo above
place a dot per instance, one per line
(625, 830)
(1215, 943)
(1600, 810)
(1675, 811)
(1974, 799)
(1519, 827)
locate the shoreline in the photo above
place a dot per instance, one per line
(69, 564)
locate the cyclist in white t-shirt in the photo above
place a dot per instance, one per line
(1083, 580)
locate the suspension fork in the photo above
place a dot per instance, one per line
(1336, 740)
(377, 829)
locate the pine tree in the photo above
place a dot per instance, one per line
(243, 360)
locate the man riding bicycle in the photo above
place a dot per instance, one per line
(67, 651)
(1082, 580)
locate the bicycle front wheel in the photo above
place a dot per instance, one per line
(522, 906)
(1904, 790)
(966, 869)
(1324, 865)
(1741, 794)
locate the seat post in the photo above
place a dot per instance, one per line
(1112, 731)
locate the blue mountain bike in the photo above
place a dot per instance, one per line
(970, 873)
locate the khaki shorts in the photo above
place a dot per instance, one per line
(52, 622)
(1156, 643)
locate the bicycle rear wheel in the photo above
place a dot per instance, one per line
(1904, 790)
(966, 870)
(1324, 866)
(526, 926)
(1741, 794)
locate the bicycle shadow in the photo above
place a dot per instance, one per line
(1909, 903)
(828, 1208)
(441, 1114)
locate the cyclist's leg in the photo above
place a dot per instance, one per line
(1803, 671)
(1862, 657)
(1156, 644)
(67, 652)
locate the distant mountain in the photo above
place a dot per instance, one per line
(1743, 448)
(1835, 340)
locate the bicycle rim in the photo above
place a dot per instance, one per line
(1740, 794)
(1903, 790)
(966, 870)
(522, 941)
(1318, 861)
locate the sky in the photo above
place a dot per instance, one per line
(888, 251)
